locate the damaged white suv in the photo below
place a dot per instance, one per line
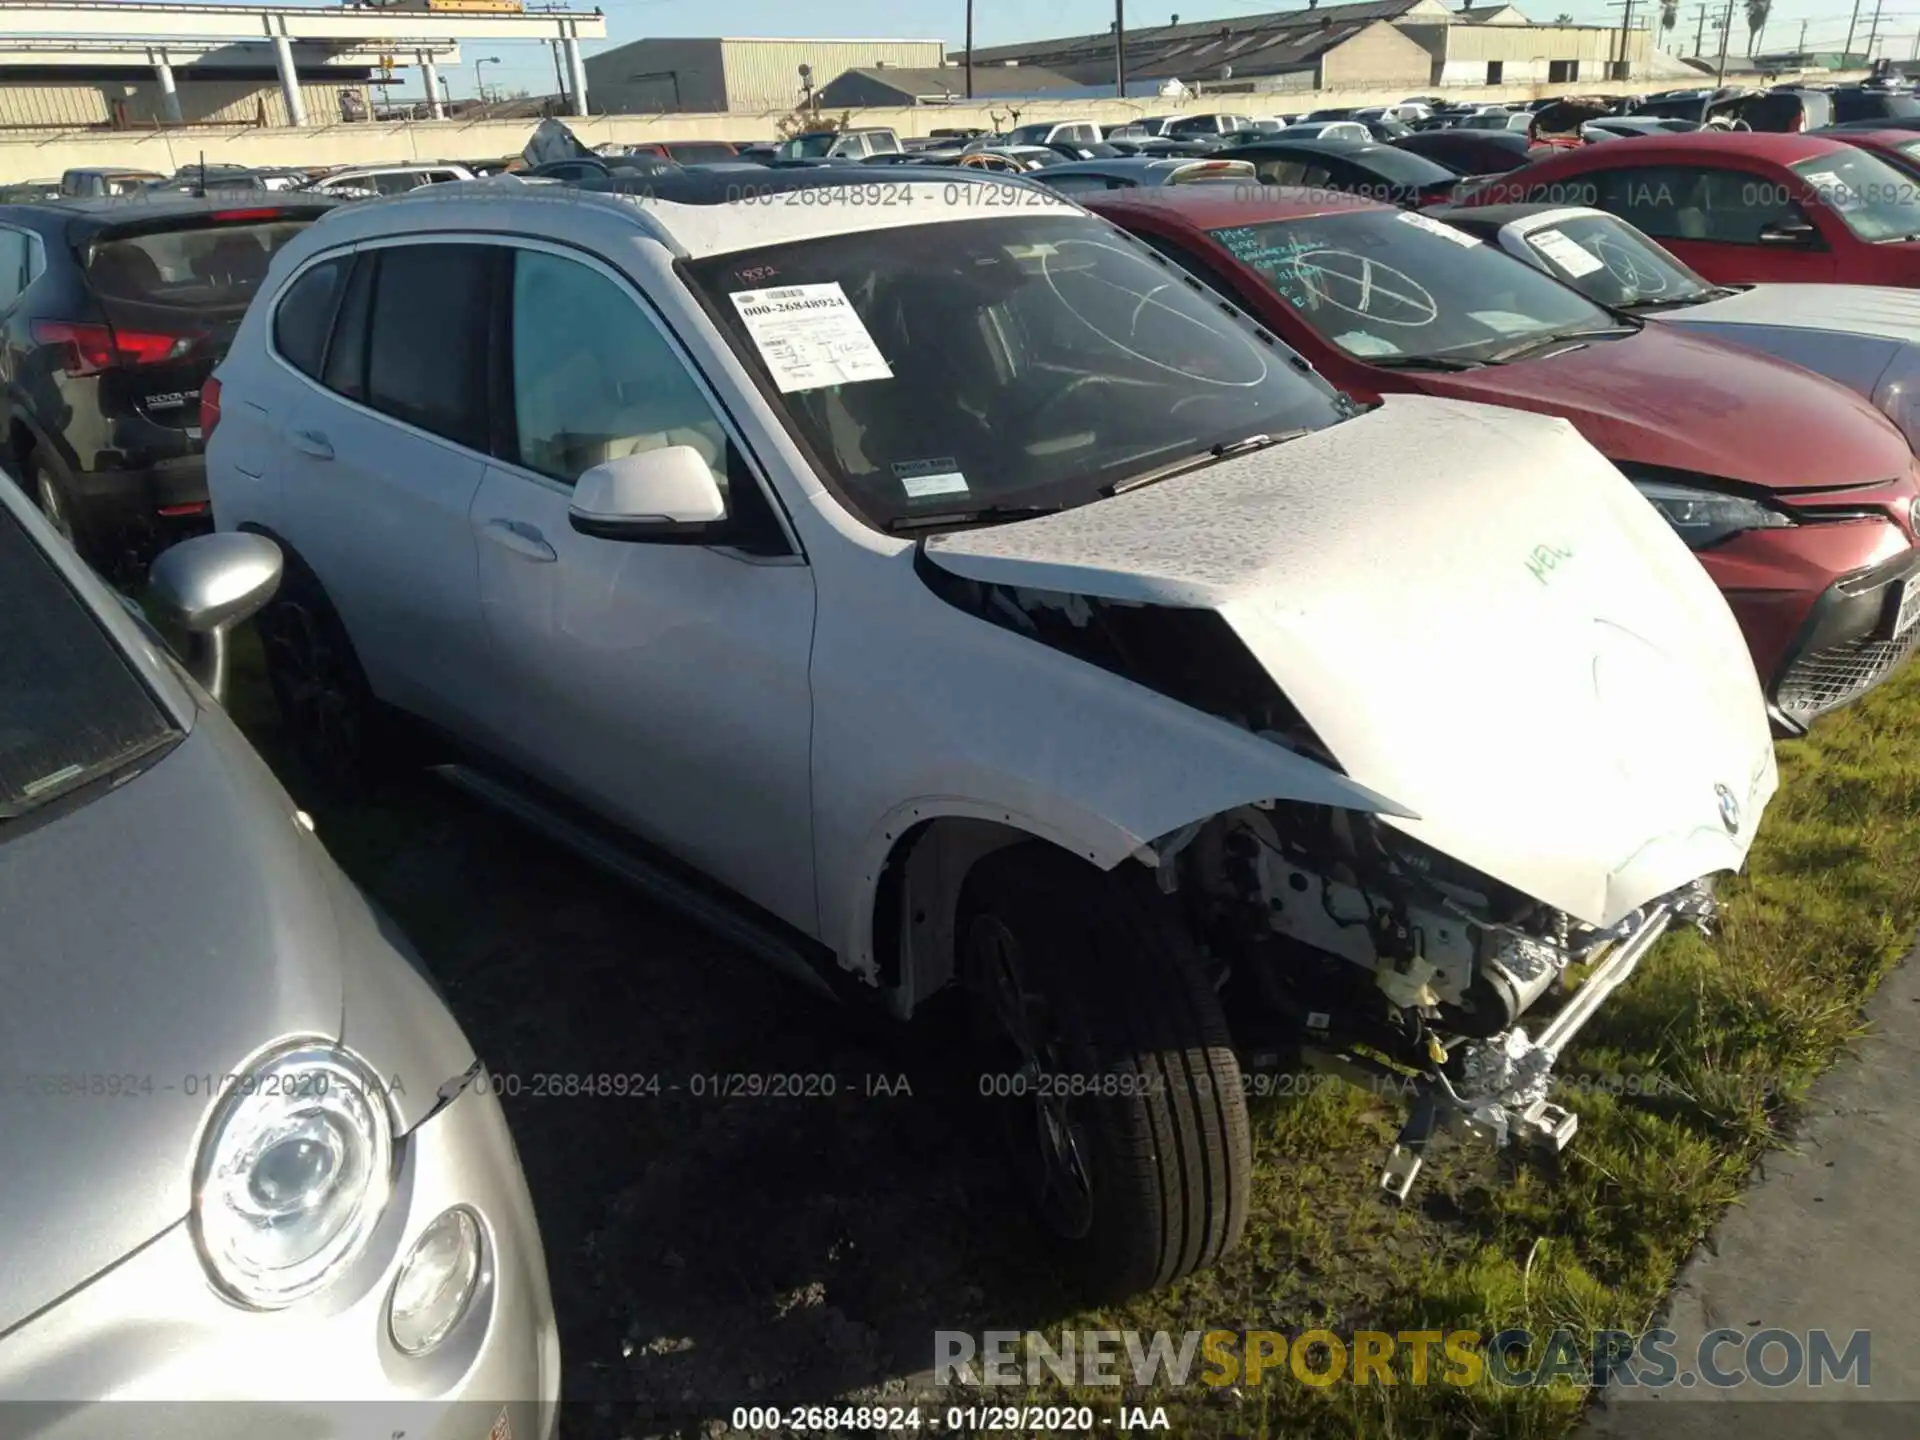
(923, 580)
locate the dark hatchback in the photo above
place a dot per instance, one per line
(1355, 167)
(113, 312)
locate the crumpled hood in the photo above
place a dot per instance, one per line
(1881, 311)
(155, 938)
(1664, 397)
(1480, 618)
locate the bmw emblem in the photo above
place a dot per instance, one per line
(1729, 809)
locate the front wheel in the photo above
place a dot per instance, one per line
(1108, 1059)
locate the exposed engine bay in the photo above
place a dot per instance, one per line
(1361, 943)
(1333, 936)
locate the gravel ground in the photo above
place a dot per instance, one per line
(706, 1250)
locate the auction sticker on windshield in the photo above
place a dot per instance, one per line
(1445, 232)
(810, 337)
(1569, 254)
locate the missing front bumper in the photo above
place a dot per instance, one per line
(1503, 1083)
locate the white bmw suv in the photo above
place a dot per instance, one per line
(922, 579)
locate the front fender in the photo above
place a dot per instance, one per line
(932, 714)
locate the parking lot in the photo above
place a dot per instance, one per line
(801, 579)
(708, 1254)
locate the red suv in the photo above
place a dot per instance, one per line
(1743, 208)
(1797, 495)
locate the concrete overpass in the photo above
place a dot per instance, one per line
(163, 35)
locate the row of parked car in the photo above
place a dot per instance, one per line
(1139, 625)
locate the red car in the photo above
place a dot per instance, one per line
(1797, 494)
(1743, 208)
(1899, 148)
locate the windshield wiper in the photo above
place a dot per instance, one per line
(1244, 446)
(1424, 362)
(1667, 302)
(985, 515)
(1558, 337)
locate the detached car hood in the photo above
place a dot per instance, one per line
(1881, 311)
(1667, 398)
(1482, 620)
(156, 939)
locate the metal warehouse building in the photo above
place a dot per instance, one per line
(1376, 43)
(747, 76)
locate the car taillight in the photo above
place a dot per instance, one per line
(209, 408)
(93, 348)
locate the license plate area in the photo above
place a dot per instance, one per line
(1903, 608)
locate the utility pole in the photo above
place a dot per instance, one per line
(1801, 53)
(1120, 49)
(1626, 22)
(1726, 29)
(969, 49)
(1700, 31)
(1847, 49)
(1873, 34)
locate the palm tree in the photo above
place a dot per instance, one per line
(1563, 18)
(1669, 14)
(1757, 12)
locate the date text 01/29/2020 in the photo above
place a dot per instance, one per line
(957, 1419)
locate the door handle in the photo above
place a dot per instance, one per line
(521, 538)
(311, 442)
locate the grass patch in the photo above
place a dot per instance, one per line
(1705, 1056)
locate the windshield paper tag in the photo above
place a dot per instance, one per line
(919, 487)
(810, 337)
(1569, 254)
(1832, 189)
(1445, 232)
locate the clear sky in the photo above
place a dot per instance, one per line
(530, 65)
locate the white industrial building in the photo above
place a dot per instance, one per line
(740, 76)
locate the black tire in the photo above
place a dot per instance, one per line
(47, 486)
(335, 727)
(1111, 988)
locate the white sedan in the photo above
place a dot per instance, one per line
(1867, 337)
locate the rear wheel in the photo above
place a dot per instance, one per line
(333, 723)
(1107, 1057)
(53, 496)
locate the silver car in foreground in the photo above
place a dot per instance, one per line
(246, 1153)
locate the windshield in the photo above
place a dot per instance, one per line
(1016, 360)
(1033, 134)
(1875, 200)
(807, 147)
(1379, 283)
(1612, 263)
(71, 709)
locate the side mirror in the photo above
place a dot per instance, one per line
(667, 494)
(1798, 234)
(209, 584)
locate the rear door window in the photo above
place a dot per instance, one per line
(346, 362)
(13, 265)
(305, 314)
(427, 342)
